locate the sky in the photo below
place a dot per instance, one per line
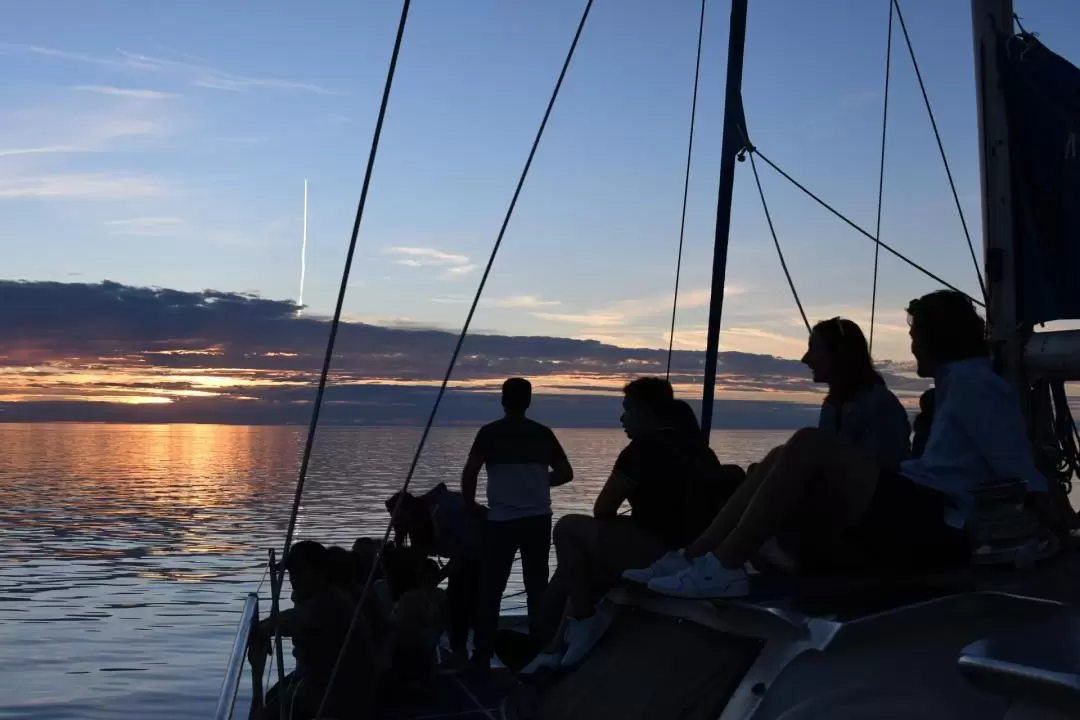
(166, 145)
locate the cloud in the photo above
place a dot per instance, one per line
(625, 312)
(422, 257)
(95, 186)
(150, 226)
(195, 74)
(235, 357)
(125, 92)
(527, 302)
(455, 266)
(523, 301)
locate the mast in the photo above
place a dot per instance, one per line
(1007, 338)
(303, 257)
(732, 143)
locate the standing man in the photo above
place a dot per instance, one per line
(524, 460)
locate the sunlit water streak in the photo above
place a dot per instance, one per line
(125, 551)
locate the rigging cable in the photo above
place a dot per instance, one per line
(749, 149)
(457, 349)
(941, 146)
(881, 175)
(686, 190)
(335, 323)
(851, 223)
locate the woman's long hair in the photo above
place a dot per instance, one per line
(849, 354)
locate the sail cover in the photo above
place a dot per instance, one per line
(1042, 97)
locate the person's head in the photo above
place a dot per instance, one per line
(516, 396)
(412, 518)
(341, 566)
(682, 418)
(645, 404)
(839, 356)
(308, 565)
(944, 328)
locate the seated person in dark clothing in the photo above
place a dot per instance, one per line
(440, 523)
(922, 423)
(657, 474)
(318, 622)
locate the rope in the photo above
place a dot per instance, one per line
(457, 348)
(686, 190)
(881, 175)
(941, 146)
(851, 223)
(776, 242)
(336, 322)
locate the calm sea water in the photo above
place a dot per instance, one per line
(126, 551)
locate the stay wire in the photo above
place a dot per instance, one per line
(940, 144)
(776, 240)
(851, 223)
(686, 190)
(454, 356)
(335, 323)
(881, 174)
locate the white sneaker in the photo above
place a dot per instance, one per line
(705, 578)
(582, 635)
(543, 661)
(671, 563)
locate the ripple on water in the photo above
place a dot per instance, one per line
(127, 550)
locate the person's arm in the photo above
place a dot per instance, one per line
(287, 622)
(614, 493)
(471, 472)
(561, 472)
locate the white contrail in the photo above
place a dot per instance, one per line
(303, 257)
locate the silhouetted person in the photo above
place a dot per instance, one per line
(317, 623)
(441, 523)
(524, 460)
(859, 408)
(923, 421)
(657, 475)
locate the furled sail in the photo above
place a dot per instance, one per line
(1042, 96)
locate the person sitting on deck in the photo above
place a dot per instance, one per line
(858, 409)
(923, 422)
(524, 460)
(906, 519)
(318, 622)
(440, 523)
(659, 474)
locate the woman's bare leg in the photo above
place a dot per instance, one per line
(730, 515)
(811, 461)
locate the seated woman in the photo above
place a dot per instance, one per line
(906, 519)
(657, 474)
(860, 410)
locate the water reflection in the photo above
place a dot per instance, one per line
(126, 549)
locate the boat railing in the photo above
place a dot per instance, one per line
(235, 670)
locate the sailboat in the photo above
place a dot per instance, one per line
(1000, 639)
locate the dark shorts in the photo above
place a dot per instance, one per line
(904, 528)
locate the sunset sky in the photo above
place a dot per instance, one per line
(165, 145)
